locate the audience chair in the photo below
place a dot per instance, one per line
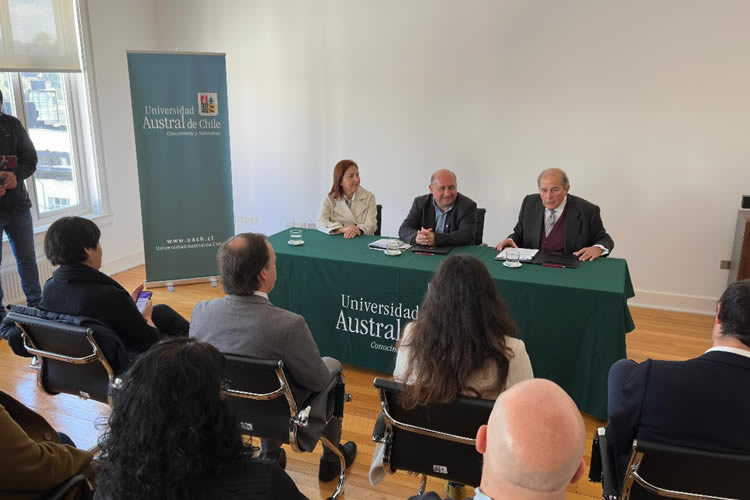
(380, 219)
(434, 440)
(658, 471)
(479, 229)
(258, 391)
(71, 360)
(74, 488)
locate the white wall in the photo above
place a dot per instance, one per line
(113, 28)
(645, 104)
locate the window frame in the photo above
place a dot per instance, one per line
(81, 149)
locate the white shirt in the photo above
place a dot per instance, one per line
(733, 350)
(261, 294)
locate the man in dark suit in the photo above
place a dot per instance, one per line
(554, 221)
(245, 322)
(696, 403)
(532, 445)
(444, 217)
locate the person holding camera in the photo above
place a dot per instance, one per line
(17, 162)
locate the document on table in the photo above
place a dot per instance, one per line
(526, 253)
(382, 244)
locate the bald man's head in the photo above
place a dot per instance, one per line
(533, 443)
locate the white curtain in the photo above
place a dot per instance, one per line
(38, 36)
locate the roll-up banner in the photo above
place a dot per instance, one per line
(181, 122)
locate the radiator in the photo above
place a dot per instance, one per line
(11, 281)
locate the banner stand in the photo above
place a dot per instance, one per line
(170, 284)
(181, 128)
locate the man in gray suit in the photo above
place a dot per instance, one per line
(244, 322)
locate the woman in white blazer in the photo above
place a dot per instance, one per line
(348, 208)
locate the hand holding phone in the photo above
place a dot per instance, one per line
(143, 299)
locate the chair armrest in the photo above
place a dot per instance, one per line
(378, 432)
(312, 400)
(595, 469)
(608, 469)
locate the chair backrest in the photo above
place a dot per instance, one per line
(259, 394)
(436, 439)
(379, 218)
(677, 472)
(71, 360)
(479, 228)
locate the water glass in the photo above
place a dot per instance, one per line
(295, 236)
(393, 246)
(513, 256)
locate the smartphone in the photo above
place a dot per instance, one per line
(143, 298)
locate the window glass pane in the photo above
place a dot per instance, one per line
(8, 107)
(44, 100)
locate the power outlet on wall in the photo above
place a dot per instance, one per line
(724, 264)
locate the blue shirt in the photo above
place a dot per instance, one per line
(440, 217)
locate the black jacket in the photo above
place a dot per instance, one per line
(583, 225)
(459, 224)
(697, 403)
(15, 141)
(80, 290)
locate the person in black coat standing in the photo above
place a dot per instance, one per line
(17, 162)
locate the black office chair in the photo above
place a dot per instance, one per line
(479, 228)
(259, 393)
(77, 483)
(665, 471)
(71, 358)
(380, 219)
(434, 440)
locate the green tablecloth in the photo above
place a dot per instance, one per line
(357, 301)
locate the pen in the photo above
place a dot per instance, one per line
(423, 253)
(554, 265)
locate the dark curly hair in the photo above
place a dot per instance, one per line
(462, 324)
(170, 431)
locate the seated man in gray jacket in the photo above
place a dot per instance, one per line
(244, 322)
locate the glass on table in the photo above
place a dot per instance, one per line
(295, 237)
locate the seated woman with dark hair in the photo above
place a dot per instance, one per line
(171, 434)
(78, 288)
(464, 340)
(463, 343)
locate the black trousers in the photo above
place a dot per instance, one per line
(169, 322)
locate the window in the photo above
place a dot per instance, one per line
(49, 106)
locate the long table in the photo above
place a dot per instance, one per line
(357, 301)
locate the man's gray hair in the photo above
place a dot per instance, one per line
(241, 258)
(559, 171)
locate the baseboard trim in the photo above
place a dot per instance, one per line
(674, 302)
(123, 263)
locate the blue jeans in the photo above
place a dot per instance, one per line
(20, 230)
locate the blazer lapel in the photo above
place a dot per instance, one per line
(536, 220)
(573, 225)
(343, 209)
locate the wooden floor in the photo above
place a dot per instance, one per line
(658, 334)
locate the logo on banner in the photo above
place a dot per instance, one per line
(208, 104)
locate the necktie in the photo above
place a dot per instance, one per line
(549, 223)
